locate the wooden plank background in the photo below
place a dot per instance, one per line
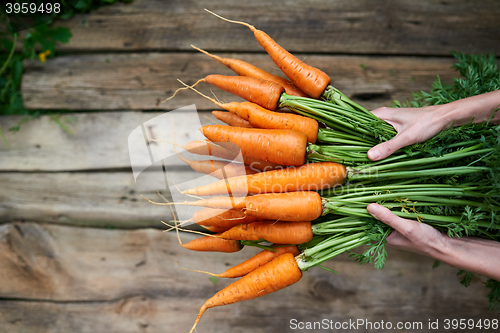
(82, 251)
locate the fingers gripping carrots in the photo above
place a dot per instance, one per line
(273, 276)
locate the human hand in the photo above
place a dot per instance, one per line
(412, 125)
(409, 235)
(472, 254)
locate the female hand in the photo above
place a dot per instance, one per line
(408, 235)
(472, 254)
(412, 125)
(420, 124)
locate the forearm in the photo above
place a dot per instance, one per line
(477, 108)
(471, 254)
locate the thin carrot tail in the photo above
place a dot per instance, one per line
(206, 53)
(175, 221)
(183, 88)
(199, 93)
(197, 271)
(231, 21)
(202, 311)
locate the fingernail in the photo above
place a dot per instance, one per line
(373, 209)
(374, 154)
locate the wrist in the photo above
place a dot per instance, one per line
(472, 254)
(475, 109)
(440, 247)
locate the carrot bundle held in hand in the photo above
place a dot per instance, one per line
(347, 126)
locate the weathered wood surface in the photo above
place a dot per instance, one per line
(142, 81)
(62, 279)
(99, 141)
(102, 199)
(428, 27)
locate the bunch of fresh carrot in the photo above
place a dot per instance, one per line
(309, 199)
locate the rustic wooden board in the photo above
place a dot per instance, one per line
(61, 279)
(99, 140)
(428, 27)
(103, 199)
(142, 81)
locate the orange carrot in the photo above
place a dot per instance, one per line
(221, 217)
(277, 146)
(228, 151)
(273, 276)
(310, 80)
(219, 169)
(245, 69)
(275, 232)
(206, 148)
(216, 202)
(225, 227)
(289, 206)
(261, 92)
(261, 117)
(308, 177)
(231, 119)
(216, 229)
(258, 260)
(260, 165)
(213, 244)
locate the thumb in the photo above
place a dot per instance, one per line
(384, 149)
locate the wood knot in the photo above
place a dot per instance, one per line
(325, 290)
(135, 307)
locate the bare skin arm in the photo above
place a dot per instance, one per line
(472, 254)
